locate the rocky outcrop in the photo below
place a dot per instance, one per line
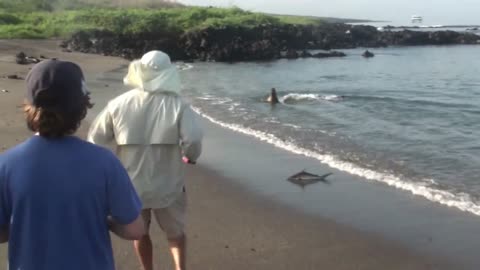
(329, 54)
(264, 42)
(127, 46)
(415, 38)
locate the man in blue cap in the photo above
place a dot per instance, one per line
(60, 195)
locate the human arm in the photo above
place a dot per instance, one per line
(190, 135)
(133, 231)
(124, 205)
(101, 129)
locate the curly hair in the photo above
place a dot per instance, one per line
(51, 123)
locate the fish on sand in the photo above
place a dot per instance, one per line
(304, 178)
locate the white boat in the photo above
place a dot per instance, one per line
(416, 19)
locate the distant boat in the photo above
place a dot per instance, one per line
(416, 19)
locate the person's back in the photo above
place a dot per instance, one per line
(154, 129)
(58, 202)
(59, 195)
(148, 139)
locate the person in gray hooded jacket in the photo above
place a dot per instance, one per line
(154, 130)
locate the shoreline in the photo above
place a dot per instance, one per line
(229, 225)
(415, 223)
(423, 190)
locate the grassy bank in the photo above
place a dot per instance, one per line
(48, 24)
(55, 5)
(60, 18)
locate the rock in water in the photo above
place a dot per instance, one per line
(368, 54)
(329, 54)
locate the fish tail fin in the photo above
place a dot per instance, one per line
(326, 175)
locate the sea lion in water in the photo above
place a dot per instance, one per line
(272, 98)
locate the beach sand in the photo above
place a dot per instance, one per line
(228, 226)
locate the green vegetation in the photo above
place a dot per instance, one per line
(306, 20)
(299, 20)
(61, 23)
(60, 18)
(52, 5)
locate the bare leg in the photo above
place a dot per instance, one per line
(178, 248)
(143, 247)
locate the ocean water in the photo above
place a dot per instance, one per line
(408, 118)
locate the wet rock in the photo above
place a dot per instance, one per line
(13, 77)
(364, 33)
(329, 54)
(291, 54)
(305, 54)
(367, 54)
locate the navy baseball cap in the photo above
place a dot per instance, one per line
(56, 85)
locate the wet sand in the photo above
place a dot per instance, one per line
(228, 226)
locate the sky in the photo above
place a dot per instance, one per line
(398, 12)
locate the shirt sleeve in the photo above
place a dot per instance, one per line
(190, 134)
(101, 129)
(123, 202)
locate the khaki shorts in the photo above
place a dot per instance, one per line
(170, 219)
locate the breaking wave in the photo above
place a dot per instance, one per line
(426, 188)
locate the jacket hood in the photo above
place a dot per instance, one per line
(154, 72)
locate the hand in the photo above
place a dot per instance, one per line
(188, 161)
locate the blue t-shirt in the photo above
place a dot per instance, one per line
(55, 196)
